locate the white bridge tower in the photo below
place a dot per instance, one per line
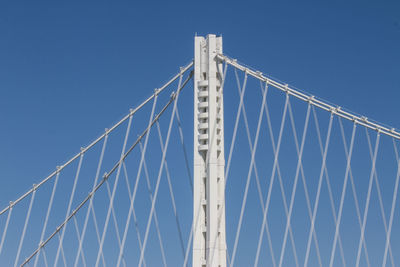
(209, 243)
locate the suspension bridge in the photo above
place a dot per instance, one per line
(220, 166)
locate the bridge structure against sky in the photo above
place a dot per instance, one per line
(303, 183)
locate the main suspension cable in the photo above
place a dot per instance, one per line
(322, 104)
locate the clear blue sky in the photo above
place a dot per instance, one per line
(68, 70)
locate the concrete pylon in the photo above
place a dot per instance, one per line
(209, 242)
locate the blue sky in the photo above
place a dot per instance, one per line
(68, 70)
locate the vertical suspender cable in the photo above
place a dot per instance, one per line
(258, 184)
(21, 241)
(353, 189)
(260, 116)
(132, 200)
(79, 241)
(378, 190)
(236, 125)
(260, 194)
(328, 183)
(271, 183)
(178, 119)
(295, 178)
(159, 175)
(114, 219)
(45, 257)
(171, 192)
(395, 191)
(69, 208)
(343, 194)
(3, 237)
(156, 222)
(318, 191)
(47, 216)
(91, 203)
(135, 221)
(113, 193)
(368, 198)
(306, 193)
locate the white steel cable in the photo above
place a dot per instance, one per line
(47, 215)
(276, 150)
(271, 249)
(132, 112)
(260, 194)
(378, 189)
(171, 192)
(368, 198)
(45, 258)
(249, 174)
(114, 218)
(235, 128)
(305, 183)
(105, 177)
(83, 257)
(132, 199)
(348, 115)
(3, 237)
(269, 126)
(178, 119)
(283, 195)
(318, 190)
(159, 176)
(69, 207)
(28, 215)
(135, 221)
(300, 156)
(353, 189)
(320, 104)
(343, 194)
(172, 98)
(110, 206)
(285, 206)
(156, 222)
(62, 251)
(96, 227)
(91, 205)
(328, 183)
(395, 191)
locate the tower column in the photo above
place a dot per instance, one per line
(209, 244)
